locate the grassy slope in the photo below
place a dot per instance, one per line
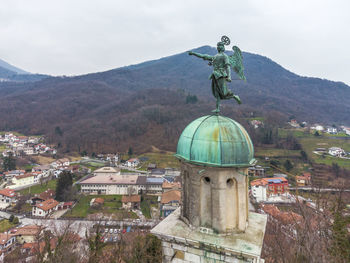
(36, 189)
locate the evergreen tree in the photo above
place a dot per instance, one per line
(304, 156)
(130, 152)
(64, 185)
(9, 163)
(288, 165)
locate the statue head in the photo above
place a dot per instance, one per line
(220, 47)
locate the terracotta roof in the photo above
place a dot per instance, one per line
(168, 185)
(99, 200)
(173, 195)
(131, 198)
(4, 238)
(48, 194)
(265, 181)
(133, 160)
(307, 175)
(47, 205)
(23, 176)
(284, 217)
(8, 192)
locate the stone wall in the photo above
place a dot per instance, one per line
(215, 198)
(180, 253)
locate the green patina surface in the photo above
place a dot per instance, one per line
(216, 141)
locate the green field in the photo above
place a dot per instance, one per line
(162, 160)
(274, 152)
(5, 225)
(36, 189)
(2, 148)
(311, 143)
(112, 205)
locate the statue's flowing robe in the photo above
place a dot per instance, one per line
(218, 77)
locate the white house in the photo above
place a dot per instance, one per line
(45, 208)
(336, 151)
(64, 162)
(259, 190)
(28, 150)
(7, 242)
(332, 130)
(7, 197)
(132, 162)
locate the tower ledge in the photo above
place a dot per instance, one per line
(191, 245)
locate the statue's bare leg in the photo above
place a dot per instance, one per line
(217, 110)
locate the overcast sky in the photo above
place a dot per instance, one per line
(61, 37)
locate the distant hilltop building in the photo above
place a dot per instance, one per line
(213, 223)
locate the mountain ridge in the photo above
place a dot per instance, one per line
(145, 104)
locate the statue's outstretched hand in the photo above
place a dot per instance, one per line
(228, 79)
(190, 53)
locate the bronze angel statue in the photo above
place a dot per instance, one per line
(221, 71)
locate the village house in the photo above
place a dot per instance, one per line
(303, 180)
(336, 151)
(27, 234)
(167, 186)
(263, 189)
(170, 201)
(151, 166)
(133, 162)
(95, 202)
(113, 158)
(45, 208)
(10, 174)
(256, 123)
(28, 150)
(44, 170)
(332, 130)
(7, 197)
(7, 242)
(347, 130)
(60, 163)
(38, 198)
(131, 201)
(23, 180)
(257, 170)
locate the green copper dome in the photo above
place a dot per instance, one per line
(216, 141)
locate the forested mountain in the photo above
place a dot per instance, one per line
(5, 65)
(12, 73)
(150, 103)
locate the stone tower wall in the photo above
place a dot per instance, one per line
(215, 198)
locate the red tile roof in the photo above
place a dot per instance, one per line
(48, 204)
(8, 192)
(284, 217)
(131, 198)
(173, 195)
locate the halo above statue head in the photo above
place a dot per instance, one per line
(226, 40)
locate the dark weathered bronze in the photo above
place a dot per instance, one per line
(221, 71)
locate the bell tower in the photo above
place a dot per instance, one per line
(213, 223)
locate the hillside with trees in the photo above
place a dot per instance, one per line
(150, 103)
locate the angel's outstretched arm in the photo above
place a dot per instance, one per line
(202, 56)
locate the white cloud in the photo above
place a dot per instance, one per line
(75, 37)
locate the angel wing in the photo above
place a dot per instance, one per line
(236, 61)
